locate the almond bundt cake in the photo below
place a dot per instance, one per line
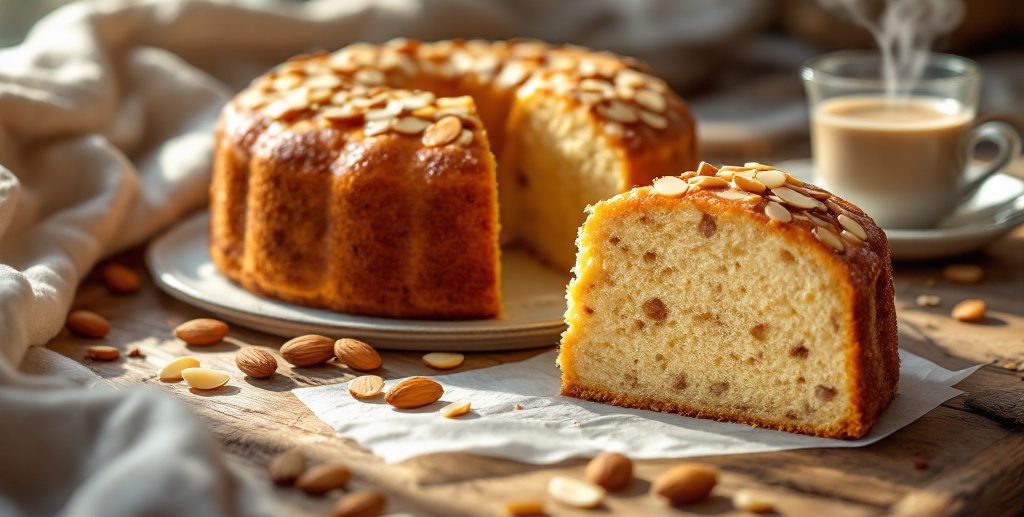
(363, 181)
(739, 294)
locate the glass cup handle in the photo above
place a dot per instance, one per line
(1008, 141)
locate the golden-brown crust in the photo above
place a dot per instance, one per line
(871, 345)
(319, 211)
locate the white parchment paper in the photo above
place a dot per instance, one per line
(550, 428)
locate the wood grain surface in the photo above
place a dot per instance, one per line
(953, 461)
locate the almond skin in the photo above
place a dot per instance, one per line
(323, 478)
(357, 355)
(88, 324)
(102, 353)
(256, 363)
(308, 350)
(286, 467)
(686, 483)
(120, 279)
(201, 331)
(610, 470)
(414, 392)
(362, 503)
(366, 387)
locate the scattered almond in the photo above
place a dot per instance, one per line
(204, 378)
(323, 478)
(414, 392)
(87, 324)
(120, 279)
(963, 273)
(286, 467)
(362, 503)
(970, 310)
(456, 409)
(357, 355)
(610, 470)
(753, 501)
(308, 350)
(928, 300)
(172, 370)
(366, 387)
(102, 353)
(574, 492)
(443, 360)
(686, 483)
(525, 507)
(256, 363)
(201, 331)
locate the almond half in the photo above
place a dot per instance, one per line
(87, 324)
(443, 360)
(204, 378)
(172, 371)
(366, 387)
(414, 392)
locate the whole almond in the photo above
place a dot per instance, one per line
(414, 392)
(357, 355)
(308, 350)
(686, 483)
(610, 470)
(120, 279)
(970, 310)
(366, 387)
(323, 478)
(256, 363)
(362, 503)
(102, 353)
(286, 467)
(87, 324)
(201, 331)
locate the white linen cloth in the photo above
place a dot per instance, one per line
(106, 120)
(548, 428)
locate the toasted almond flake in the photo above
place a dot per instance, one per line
(376, 127)
(442, 132)
(772, 178)
(366, 386)
(750, 185)
(618, 111)
(820, 195)
(706, 169)
(598, 85)
(204, 378)
(731, 194)
(286, 82)
(758, 166)
(615, 129)
(670, 186)
(455, 102)
(625, 92)
(794, 198)
(792, 180)
(655, 121)
(513, 74)
(369, 77)
(443, 360)
(325, 81)
(456, 409)
(651, 100)
(852, 226)
(850, 237)
(777, 212)
(341, 114)
(630, 77)
(726, 175)
(752, 199)
(820, 222)
(319, 96)
(828, 238)
(707, 182)
(427, 112)
(417, 101)
(576, 493)
(465, 138)
(734, 168)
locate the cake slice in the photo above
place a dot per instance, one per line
(739, 294)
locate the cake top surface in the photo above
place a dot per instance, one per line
(373, 87)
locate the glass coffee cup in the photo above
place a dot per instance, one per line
(902, 155)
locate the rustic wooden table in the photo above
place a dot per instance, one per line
(953, 461)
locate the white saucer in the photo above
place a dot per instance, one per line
(995, 210)
(533, 298)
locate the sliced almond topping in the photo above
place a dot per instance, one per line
(392, 110)
(670, 186)
(792, 180)
(706, 169)
(342, 114)
(707, 182)
(465, 138)
(777, 212)
(731, 194)
(598, 85)
(417, 101)
(630, 77)
(324, 81)
(850, 237)
(456, 409)
(750, 185)
(655, 121)
(369, 77)
(443, 360)
(442, 132)
(794, 198)
(772, 178)
(376, 127)
(455, 102)
(758, 166)
(828, 238)
(852, 226)
(618, 111)
(651, 100)
(752, 199)
(286, 83)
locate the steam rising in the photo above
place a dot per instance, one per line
(904, 31)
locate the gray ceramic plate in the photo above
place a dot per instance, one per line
(533, 297)
(995, 210)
